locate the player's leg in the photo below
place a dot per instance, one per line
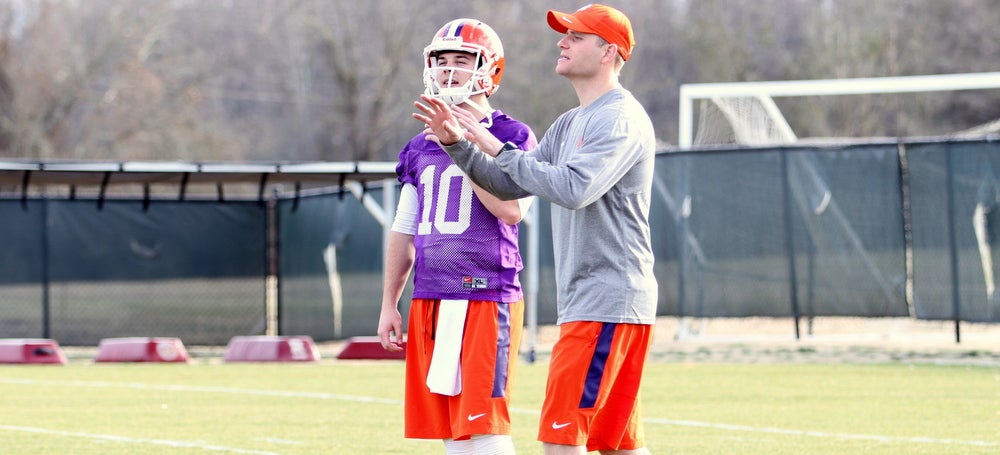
(489, 353)
(493, 444)
(562, 449)
(642, 451)
(463, 447)
(426, 415)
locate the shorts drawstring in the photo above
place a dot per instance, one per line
(435, 304)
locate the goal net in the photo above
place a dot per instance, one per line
(832, 233)
(746, 120)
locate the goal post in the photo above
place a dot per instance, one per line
(765, 91)
(745, 113)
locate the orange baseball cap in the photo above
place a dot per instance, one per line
(600, 20)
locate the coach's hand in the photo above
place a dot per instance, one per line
(476, 132)
(441, 123)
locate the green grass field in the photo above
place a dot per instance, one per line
(355, 407)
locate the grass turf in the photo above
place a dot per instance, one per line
(356, 407)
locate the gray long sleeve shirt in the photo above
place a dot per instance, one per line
(595, 164)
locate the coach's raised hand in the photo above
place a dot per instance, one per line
(447, 125)
(442, 126)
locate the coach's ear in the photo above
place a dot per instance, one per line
(611, 53)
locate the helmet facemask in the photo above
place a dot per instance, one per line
(438, 79)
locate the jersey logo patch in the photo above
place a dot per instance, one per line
(469, 282)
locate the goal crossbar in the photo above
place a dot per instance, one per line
(766, 90)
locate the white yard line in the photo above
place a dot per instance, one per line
(128, 440)
(207, 389)
(362, 399)
(821, 434)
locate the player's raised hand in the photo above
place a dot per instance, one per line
(439, 119)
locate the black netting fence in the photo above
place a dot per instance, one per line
(781, 232)
(80, 271)
(876, 230)
(954, 197)
(330, 265)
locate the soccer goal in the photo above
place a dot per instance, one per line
(745, 114)
(753, 118)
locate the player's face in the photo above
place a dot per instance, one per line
(461, 60)
(579, 54)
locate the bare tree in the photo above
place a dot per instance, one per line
(7, 112)
(366, 50)
(335, 80)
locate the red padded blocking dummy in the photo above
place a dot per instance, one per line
(31, 350)
(141, 349)
(369, 348)
(266, 348)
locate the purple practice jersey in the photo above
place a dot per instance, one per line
(462, 250)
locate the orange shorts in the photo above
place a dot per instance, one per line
(490, 346)
(592, 394)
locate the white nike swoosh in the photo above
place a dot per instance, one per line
(474, 417)
(556, 426)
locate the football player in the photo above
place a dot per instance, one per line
(466, 315)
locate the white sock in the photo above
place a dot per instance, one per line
(493, 444)
(464, 447)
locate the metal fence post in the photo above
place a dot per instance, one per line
(786, 203)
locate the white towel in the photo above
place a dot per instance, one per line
(445, 373)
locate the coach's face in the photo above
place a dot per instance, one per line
(580, 54)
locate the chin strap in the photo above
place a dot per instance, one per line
(483, 110)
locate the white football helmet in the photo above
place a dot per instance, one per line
(473, 37)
